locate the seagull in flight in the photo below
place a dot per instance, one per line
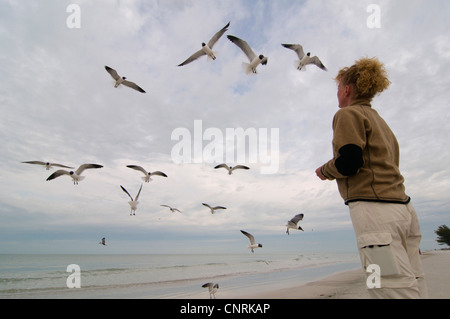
(47, 165)
(212, 288)
(134, 202)
(253, 243)
(103, 242)
(213, 208)
(255, 60)
(76, 176)
(304, 59)
(293, 223)
(122, 80)
(172, 209)
(146, 178)
(207, 48)
(231, 169)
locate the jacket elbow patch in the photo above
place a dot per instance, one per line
(350, 160)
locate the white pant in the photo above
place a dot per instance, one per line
(388, 235)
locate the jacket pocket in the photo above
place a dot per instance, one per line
(375, 248)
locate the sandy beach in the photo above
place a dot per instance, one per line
(351, 284)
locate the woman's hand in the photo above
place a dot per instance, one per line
(319, 173)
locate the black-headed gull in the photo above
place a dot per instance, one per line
(134, 202)
(122, 80)
(76, 176)
(230, 168)
(146, 178)
(207, 48)
(254, 59)
(213, 208)
(103, 242)
(172, 209)
(293, 223)
(305, 59)
(47, 165)
(212, 288)
(253, 243)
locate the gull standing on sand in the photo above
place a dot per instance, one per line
(212, 288)
(255, 60)
(122, 80)
(103, 242)
(76, 176)
(293, 223)
(134, 202)
(47, 165)
(213, 208)
(207, 48)
(147, 174)
(304, 59)
(253, 243)
(231, 169)
(172, 209)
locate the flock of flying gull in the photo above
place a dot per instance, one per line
(255, 60)
(206, 49)
(77, 177)
(249, 68)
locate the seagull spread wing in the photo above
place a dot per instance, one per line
(207, 285)
(193, 57)
(137, 196)
(158, 173)
(297, 48)
(86, 166)
(222, 165)
(217, 36)
(297, 218)
(35, 162)
(57, 174)
(315, 60)
(138, 168)
(240, 167)
(243, 45)
(60, 165)
(133, 86)
(123, 188)
(250, 237)
(112, 72)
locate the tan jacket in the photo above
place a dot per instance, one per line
(379, 178)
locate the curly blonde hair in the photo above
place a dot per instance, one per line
(367, 75)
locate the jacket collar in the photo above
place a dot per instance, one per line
(365, 102)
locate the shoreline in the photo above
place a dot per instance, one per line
(351, 284)
(334, 281)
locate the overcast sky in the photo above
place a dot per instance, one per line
(58, 104)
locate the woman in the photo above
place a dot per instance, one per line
(366, 168)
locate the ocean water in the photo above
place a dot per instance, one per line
(161, 276)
